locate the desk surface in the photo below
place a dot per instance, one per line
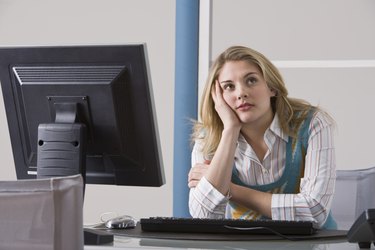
(135, 238)
(122, 242)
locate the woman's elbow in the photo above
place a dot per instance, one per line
(320, 220)
(321, 214)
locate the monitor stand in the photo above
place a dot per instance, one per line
(96, 237)
(61, 152)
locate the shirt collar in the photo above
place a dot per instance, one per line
(276, 129)
(270, 135)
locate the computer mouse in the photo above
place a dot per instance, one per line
(121, 222)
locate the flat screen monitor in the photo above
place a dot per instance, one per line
(83, 108)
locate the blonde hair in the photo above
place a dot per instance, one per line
(210, 126)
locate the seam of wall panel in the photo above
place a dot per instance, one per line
(324, 63)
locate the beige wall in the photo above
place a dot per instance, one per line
(338, 34)
(283, 30)
(46, 22)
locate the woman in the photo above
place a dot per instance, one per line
(259, 153)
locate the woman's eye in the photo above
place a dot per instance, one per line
(251, 80)
(228, 86)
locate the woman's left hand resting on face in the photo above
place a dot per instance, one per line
(220, 171)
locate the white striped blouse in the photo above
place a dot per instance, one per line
(316, 187)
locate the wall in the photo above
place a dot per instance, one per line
(283, 30)
(59, 22)
(321, 47)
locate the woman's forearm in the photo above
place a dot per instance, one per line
(252, 199)
(220, 171)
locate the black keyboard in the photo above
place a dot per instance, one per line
(233, 226)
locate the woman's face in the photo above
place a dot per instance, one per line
(246, 92)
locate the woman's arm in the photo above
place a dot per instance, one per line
(218, 174)
(314, 200)
(204, 200)
(209, 182)
(252, 199)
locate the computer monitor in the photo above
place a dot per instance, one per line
(82, 109)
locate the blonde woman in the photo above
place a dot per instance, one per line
(257, 152)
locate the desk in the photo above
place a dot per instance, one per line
(122, 242)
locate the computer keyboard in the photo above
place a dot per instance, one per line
(233, 226)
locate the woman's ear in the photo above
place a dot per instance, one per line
(273, 92)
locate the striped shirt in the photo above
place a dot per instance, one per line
(316, 187)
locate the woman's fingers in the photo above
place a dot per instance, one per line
(216, 94)
(193, 184)
(196, 173)
(225, 112)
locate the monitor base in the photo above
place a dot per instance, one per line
(95, 237)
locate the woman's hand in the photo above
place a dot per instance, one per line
(196, 173)
(227, 115)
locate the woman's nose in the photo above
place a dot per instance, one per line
(242, 97)
(241, 94)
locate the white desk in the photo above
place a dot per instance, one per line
(122, 242)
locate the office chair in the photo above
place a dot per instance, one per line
(42, 214)
(354, 193)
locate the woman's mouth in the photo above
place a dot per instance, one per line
(244, 106)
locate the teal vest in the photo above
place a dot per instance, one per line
(289, 182)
